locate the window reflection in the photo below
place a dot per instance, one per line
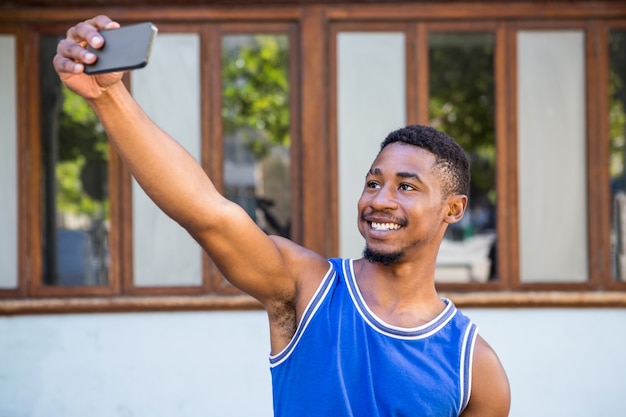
(75, 195)
(255, 114)
(461, 103)
(617, 135)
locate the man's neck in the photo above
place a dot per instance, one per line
(402, 294)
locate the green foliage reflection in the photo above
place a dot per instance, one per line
(462, 100)
(256, 92)
(81, 169)
(617, 109)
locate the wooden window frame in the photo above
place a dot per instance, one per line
(314, 124)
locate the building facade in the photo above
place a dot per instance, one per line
(108, 308)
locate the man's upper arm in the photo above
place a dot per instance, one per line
(490, 395)
(265, 267)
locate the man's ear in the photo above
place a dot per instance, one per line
(456, 206)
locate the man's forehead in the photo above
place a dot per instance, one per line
(401, 157)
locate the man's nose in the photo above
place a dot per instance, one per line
(385, 198)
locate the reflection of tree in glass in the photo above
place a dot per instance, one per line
(78, 254)
(617, 110)
(256, 92)
(81, 170)
(255, 114)
(462, 101)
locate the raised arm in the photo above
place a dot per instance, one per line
(260, 265)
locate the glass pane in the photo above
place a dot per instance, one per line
(371, 101)
(552, 156)
(255, 112)
(8, 164)
(617, 135)
(461, 103)
(168, 89)
(75, 195)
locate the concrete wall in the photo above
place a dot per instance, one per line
(561, 363)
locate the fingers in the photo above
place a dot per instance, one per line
(87, 32)
(71, 52)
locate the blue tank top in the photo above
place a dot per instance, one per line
(345, 361)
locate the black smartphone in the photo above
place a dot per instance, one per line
(125, 48)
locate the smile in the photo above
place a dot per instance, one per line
(384, 226)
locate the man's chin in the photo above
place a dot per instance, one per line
(385, 259)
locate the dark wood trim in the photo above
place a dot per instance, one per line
(422, 74)
(411, 82)
(380, 11)
(24, 162)
(206, 110)
(333, 133)
(508, 210)
(317, 169)
(538, 299)
(503, 185)
(127, 304)
(295, 123)
(167, 13)
(125, 194)
(477, 11)
(33, 174)
(596, 152)
(116, 229)
(243, 4)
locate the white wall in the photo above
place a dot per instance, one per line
(560, 362)
(159, 364)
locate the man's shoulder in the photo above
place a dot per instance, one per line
(491, 395)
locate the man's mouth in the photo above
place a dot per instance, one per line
(384, 226)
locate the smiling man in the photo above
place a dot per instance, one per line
(366, 337)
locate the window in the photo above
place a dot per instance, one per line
(461, 103)
(75, 215)
(96, 229)
(518, 98)
(535, 95)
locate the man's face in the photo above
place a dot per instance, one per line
(401, 207)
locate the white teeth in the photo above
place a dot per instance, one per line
(385, 226)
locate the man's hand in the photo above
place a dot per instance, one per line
(72, 55)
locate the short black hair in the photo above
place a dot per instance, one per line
(450, 159)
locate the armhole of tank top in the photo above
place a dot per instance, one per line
(467, 358)
(309, 312)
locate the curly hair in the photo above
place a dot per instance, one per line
(451, 161)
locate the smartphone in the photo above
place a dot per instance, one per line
(125, 48)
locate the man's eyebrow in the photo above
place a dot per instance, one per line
(401, 174)
(410, 175)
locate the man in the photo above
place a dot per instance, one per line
(366, 337)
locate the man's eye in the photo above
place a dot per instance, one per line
(373, 184)
(406, 187)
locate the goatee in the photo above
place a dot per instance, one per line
(385, 259)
